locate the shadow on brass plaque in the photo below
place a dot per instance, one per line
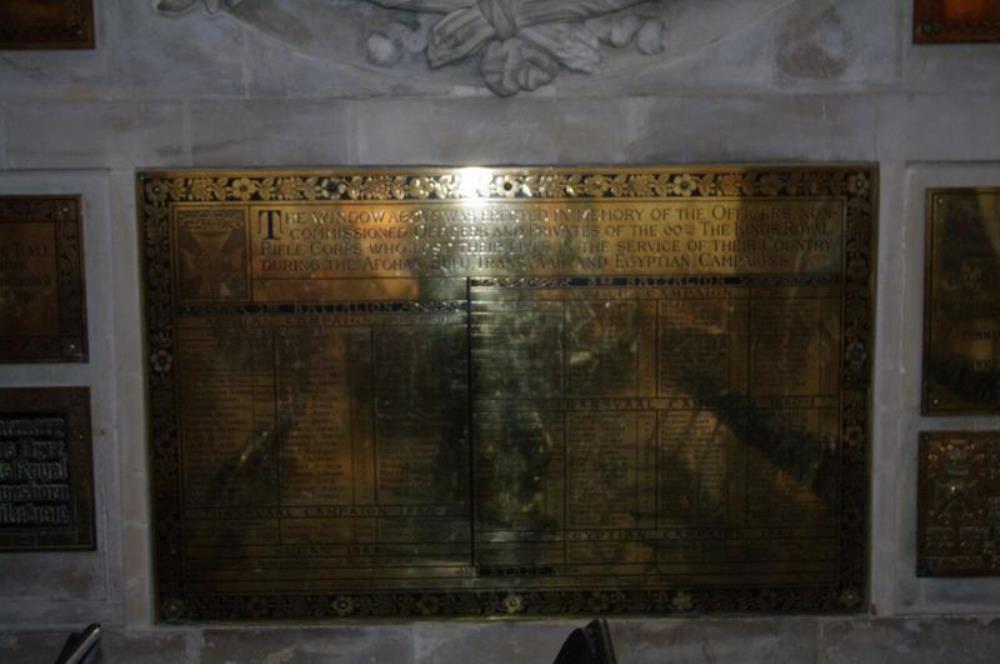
(961, 372)
(46, 471)
(508, 392)
(959, 504)
(42, 302)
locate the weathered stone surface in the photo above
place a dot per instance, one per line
(3, 136)
(385, 644)
(273, 132)
(484, 131)
(65, 75)
(939, 641)
(934, 127)
(115, 647)
(838, 43)
(163, 58)
(742, 128)
(717, 641)
(490, 643)
(93, 135)
(143, 648)
(51, 575)
(30, 647)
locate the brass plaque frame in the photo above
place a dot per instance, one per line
(955, 21)
(176, 296)
(961, 359)
(958, 503)
(58, 219)
(46, 24)
(46, 469)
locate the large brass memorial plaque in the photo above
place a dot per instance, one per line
(961, 373)
(508, 392)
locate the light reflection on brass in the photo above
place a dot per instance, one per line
(507, 392)
(962, 302)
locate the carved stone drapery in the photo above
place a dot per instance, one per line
(522, 44)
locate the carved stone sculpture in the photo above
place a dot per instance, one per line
(522, 44)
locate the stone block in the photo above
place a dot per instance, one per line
(272, 133)
(490, 643)
(159, 57)
(384, 644)
(120, 647)
(935, 127)
(717, 641)
(115, 647)
(488, 132)
(30, 647)
(939, 641)
(94, 135)
(703, 129)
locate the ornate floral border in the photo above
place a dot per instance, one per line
(855, 184)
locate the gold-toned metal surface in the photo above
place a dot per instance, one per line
(46, 470)
(961, 373)
(508, 392)
(959, 504)
(46, 24)
(42, 302)
(955, 21)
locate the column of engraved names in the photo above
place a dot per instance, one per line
(318, 368)
(701, 377)
(420, 392)
(518, 430)
(793, 432)
(323, 394)
(562, 450)
(229, 444)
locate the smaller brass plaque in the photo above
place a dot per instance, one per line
(961, 373)
(42, 303)
(956, 21)
(46, 24)
(959, 504)
(46, 471)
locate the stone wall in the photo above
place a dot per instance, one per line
(739, 81)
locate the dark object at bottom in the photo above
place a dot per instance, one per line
(590, 645)
(80, 647)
